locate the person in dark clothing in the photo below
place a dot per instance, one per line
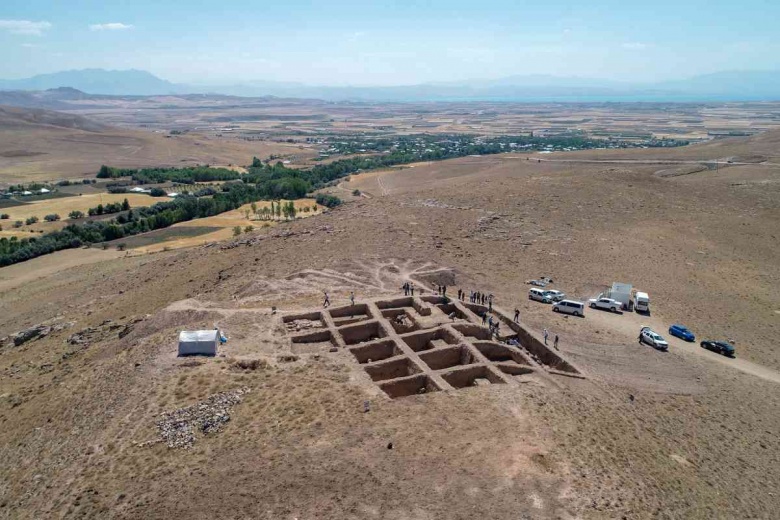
(517, 316)
(444, 290)
(326, 303)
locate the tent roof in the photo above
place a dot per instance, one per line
(198, 335)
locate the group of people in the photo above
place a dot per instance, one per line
(493, 325)
(481, 298)
(408, 288)
(555, 340)
(326, 303)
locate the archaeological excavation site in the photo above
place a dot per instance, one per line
(420, 344)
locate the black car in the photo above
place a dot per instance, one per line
(721, 347)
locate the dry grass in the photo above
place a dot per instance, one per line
(64, 205)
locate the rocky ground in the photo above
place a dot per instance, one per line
(647, 435)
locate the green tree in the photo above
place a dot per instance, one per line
(31, 220)
(254, 208)
(247, 229)
(125, 205)
(236, 231)
(99, 209)
(75, 214)
(5, 216)
(53, 217)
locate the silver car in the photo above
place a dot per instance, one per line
(652, 338)
(554, 295)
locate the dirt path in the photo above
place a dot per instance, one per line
(629, 324)
(653, 161)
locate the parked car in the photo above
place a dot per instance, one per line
(539, 295)
(721, 347)
(682, 332)
(605, 303)
(554, 295)
(652, 338)
(569, 307)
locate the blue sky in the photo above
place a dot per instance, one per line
(389, 43)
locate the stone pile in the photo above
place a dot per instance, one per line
(177, 428)
(35, 332)
(298, 325)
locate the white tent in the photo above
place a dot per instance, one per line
(621, 292)
(202, 342)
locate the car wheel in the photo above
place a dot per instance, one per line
(578, 314)
(555, 309)
(614, 309)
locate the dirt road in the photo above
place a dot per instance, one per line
(629, 324)
(653, 161)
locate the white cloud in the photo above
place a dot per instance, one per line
(635, 46)
(113, 26)
(24, 27)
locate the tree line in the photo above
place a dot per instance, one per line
(188, 175)
(139, 220)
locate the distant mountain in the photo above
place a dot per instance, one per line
(721, 86)
(749, 84)
(97, 81)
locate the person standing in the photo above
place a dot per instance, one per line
(517, 315)
(555, 342)
(444, 290)
(411, 288)
(546, 334)
(352, 297)
(326, 303)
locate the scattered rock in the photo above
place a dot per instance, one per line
(177, 428)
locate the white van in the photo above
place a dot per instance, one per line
(569, 307)
(641, 302)
(539, 295)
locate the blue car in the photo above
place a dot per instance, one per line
(682, 332)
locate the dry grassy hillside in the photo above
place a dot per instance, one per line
(683, 434)
(37, 145)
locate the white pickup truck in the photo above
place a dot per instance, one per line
(605, 303)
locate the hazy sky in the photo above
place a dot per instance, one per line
(400, 42)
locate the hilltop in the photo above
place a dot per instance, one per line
(646, 434)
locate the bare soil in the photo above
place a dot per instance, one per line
(646, 435)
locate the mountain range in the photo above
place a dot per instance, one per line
(720, 86)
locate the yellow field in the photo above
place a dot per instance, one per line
(227, 221)
(65, 205)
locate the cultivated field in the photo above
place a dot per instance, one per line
(220, 227)
(62, 206)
